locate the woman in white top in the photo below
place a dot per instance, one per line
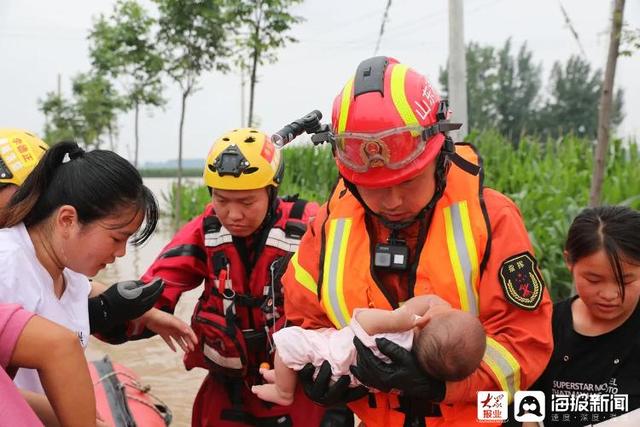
(72, 216)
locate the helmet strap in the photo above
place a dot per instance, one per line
(441, 180)
(271, 208)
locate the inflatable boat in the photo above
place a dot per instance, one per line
(122, 400)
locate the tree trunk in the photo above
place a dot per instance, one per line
(137, 137)
(606, 101)
(178, 201)
(252, 85)
(243, 83)
(254, 66)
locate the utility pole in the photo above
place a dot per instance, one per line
(457, 69)
(243, 82)
(604, 108)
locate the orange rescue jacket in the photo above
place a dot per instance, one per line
(330, 276)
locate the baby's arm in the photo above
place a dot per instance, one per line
(376, 321)
(410, 314)
(420, 304)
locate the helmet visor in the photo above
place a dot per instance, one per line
(393, 148)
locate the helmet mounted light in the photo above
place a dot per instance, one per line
(231, 162)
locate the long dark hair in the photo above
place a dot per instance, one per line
(615, 229)
(96, 183)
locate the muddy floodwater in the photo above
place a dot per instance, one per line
(151, 359)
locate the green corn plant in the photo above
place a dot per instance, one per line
(548, 179)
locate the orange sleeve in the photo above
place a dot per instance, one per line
(301, 303)
(519, 340)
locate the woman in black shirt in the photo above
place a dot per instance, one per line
(594, 372)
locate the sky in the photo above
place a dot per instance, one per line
(41, 39)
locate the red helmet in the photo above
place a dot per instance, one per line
(383, 124)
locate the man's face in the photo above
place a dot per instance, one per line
(241, 211)
(6, 191)
(402, 202)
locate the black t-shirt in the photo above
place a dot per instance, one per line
(589, 376)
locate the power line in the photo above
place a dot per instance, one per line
(384, 20)
(573, 31)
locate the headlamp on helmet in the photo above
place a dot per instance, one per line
(231, 162)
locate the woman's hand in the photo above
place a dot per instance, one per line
(171, 329)
(402, 374)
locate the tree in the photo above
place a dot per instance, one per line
(502, 90)
(123, 47)
(605, 105)
(516, 95)
(88, 117)
(573, 103)
(630, 41)
(98, 104)
(481, 80)
(194, 39)
(62, 121)
(264, 27)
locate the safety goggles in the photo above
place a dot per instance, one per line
(392, 148)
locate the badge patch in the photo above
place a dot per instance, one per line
(521, 281)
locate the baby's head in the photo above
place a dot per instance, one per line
(451, 346)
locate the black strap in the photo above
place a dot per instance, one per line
(185, 250)
(297, 210)
(211, 224)
(236, 412)
(415, 411)
(465, 164)
(245, 300)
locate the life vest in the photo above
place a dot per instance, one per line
(242, 305)
(450, 263)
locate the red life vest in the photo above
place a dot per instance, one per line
(242, 303)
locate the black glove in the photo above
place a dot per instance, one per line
(322, 392)
(121, 302)
(402, 374)
(338, 416)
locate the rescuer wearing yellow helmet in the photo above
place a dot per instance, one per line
(239, 247)
(20, 152)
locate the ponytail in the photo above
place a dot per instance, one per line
(95, 183)
(24, 200)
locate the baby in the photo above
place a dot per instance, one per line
(448, 344)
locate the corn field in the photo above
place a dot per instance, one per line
(548, 180)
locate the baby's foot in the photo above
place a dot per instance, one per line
(269, 375)
(270, 393)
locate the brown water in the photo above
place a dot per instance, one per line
(151, 359)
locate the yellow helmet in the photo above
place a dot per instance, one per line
(20, 152)
(243, 159)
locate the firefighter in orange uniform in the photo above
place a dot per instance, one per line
(410, 216)
(239, 246)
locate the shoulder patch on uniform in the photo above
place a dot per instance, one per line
(521, 281)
